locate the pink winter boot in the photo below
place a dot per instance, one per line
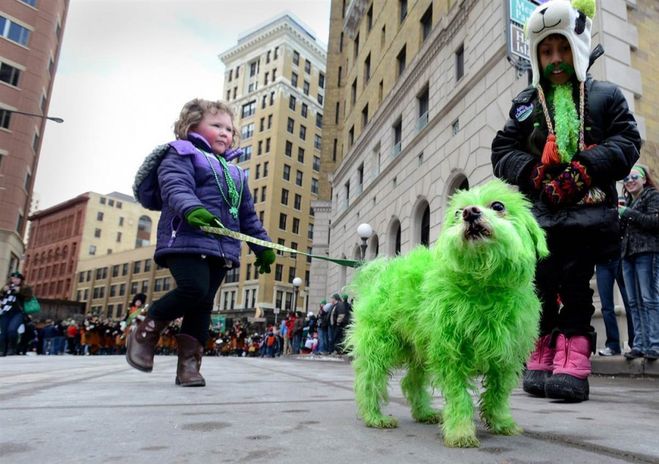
(539, 367)
(569, 380)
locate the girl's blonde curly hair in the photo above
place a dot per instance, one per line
(193, 112)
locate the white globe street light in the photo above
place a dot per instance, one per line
(364, 231)
(297, 283)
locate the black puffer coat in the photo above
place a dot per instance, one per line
(640, 224)
(610, 126)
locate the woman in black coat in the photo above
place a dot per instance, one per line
(13, 297)
(640, 260)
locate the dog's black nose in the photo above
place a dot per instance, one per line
(471, 213)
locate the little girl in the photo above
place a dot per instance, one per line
(198, 188)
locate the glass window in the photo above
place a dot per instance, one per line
(14, 32)
(9, 74)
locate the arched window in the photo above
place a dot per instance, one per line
(425, 227)
(397, 250)
(394, 238)
(143, 232)
(374, 247)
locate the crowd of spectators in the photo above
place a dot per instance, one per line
(318, 333)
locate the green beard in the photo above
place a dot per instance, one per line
(566, 68)
(566, 121)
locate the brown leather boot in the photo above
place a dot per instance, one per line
(141, 343)
(190, 352)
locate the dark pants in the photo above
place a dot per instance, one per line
(10, 321)
(197, 280)
(607, 275)
(565, 276)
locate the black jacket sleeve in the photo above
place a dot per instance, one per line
(510, 160)
(616, 153)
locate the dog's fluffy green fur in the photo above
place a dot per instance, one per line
(460, 309)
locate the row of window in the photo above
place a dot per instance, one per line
(117, 270)
(53, 289)
(304, 110)
(163, 284)
(111, 312)
(55, 270)
(111, 202)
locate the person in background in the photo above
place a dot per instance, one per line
(135, 309)
(640, 260)
(337, 323)
(323, 326)
(198, 188)
(14, 294)
(607, 274)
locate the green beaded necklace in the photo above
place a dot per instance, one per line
(234, 196)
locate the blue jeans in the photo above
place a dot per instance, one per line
(642, 280)
(323, 339)
(607, 275)
(10, 321)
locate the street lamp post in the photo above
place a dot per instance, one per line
(297, 282)
(50, 118)
(364, 231)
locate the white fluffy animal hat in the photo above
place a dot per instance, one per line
(573, 20)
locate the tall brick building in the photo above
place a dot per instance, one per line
(30, 41)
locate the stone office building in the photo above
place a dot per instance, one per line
(415, 94)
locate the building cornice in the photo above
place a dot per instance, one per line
(282, 28)
(62, 206)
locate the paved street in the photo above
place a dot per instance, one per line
(96, 409)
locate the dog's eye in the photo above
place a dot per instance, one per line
(498, 207)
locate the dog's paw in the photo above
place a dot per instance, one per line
(430, 416)
(504, 428)
(381, 422)
(461, 441)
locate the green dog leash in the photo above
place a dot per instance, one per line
(275, 246)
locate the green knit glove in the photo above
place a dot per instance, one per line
(264, 260)
(621, 210)
(199, 217)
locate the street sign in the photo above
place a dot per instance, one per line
(518, 48)
(520, 10)
(518, 44)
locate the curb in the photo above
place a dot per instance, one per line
(618, 365)
(601, 365)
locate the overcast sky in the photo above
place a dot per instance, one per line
(126, 68)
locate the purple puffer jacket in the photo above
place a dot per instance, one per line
(187, 182)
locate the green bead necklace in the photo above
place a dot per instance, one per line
(234, 196)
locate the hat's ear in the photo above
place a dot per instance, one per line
(586, 7)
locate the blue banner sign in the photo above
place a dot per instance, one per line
(520, 10)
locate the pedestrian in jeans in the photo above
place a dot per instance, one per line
(323, 327)
(640, 260)
(608, 274)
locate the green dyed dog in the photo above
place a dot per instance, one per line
(463, 308)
